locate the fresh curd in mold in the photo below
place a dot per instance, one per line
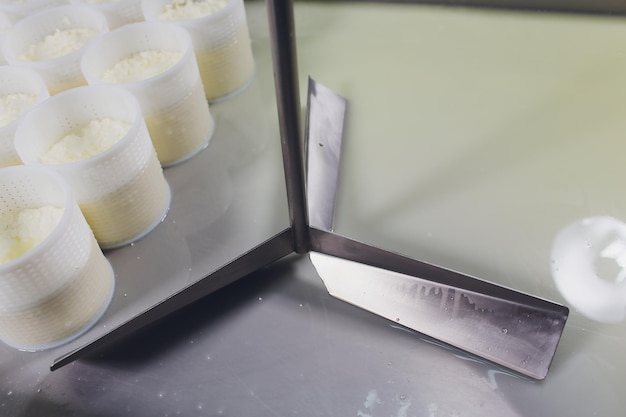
(114, 217)
(22, 230)
(178, 129)
(59, 43)
(222, 47)
(14, 105)
(86, 141)
(189, 9)
(141, 66)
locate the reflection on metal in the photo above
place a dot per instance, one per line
(589, 267)
(323, 133)
(268, 252)
(507, 331)
(342, 247)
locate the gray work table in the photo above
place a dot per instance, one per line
(276, 344)
(473, 137)
(273, 344)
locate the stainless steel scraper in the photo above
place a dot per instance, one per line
(509, 328)
(324, 129)
(515, 335)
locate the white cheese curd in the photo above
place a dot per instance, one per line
(14, 105)
(86, 141)
(59, 43)
(190, 9)
(141, 66)
(22, 230)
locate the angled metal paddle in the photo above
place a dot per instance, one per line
(509, 328)
(515, 330)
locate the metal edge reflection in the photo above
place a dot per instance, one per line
(262, 255)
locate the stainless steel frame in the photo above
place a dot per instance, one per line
(526, 328)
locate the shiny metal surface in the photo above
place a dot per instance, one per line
(511, 329)
(517, 336)
(326, 112)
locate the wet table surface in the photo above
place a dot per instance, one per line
(472, 143)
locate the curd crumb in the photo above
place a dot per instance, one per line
(22, 230)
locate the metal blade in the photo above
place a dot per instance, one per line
(509, 328)
(323, 136)
(504, 326)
